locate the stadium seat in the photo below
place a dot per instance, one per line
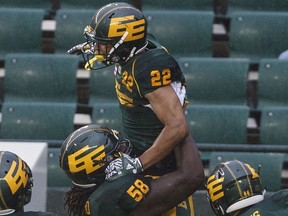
(88, 4)
(107, 114)
(102, 86)
(174, 4)
(40, 78)
(258, 35)
(225, 124)
(183, 33)
(216, 80)
(272, 83)
(70, 24)
(37, 121)
(256, 5)
(271, 165)
(56, 176)
(20, 30)
(274, 125)
(45, 4)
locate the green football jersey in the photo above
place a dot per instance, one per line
(121, 198)
(118, 198)
(276, 205)
(143, 74)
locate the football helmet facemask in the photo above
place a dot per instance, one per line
(86, 153)
(15, 182)
(121, 28)
(233, 185)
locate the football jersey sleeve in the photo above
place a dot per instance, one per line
(119, 197)
(155, 69)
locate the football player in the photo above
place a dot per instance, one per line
(16, 186)
(149, 85)
(235, 188)
(84, 157)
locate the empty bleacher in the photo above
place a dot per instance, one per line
(21, 30)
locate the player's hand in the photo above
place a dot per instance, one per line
(78, 49)
(121, 166)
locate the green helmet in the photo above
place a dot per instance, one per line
(119, 24)
(87, 151)
(15, 181)
(233, 185)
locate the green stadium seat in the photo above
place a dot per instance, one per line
(88, 4)
(183, 33)
(272, 83)
(274, 125)
(256, 5)
(225, 124)
(258, 35)
(107, 114)
(102, 86)
(174, 4)
(37, 121)
(43, 4)
(70, 24)
(57, 205)
(40, 78)
(20, 30)
(56, 176)
(216, 80)
(271, 165)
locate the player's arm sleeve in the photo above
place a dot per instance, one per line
(119, 197)
(155, 74)
(134, 192)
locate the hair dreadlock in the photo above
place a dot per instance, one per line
(76, 198)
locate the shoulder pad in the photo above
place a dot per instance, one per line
(155, 59)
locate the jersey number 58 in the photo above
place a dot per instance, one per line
(138, 190)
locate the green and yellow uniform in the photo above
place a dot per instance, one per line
(118, 198)
(143, 74)
(276, 205)
(121, 198)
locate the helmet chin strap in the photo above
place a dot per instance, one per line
(118, 43)
(135, 52)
